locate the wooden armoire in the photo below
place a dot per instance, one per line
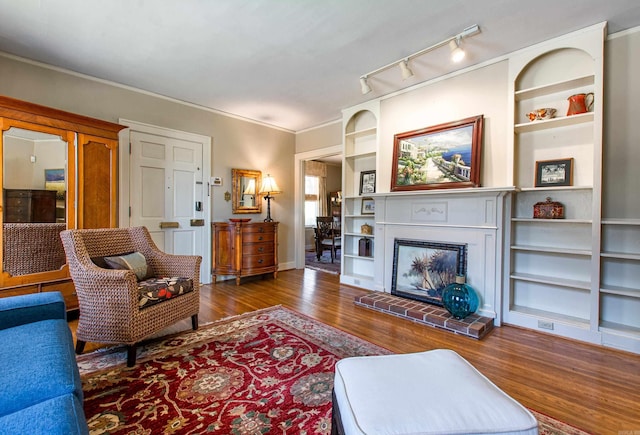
(88, 198)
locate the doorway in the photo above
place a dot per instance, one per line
(164, 181)
(304, 231)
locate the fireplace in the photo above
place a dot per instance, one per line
(422, 268)
(469, 223)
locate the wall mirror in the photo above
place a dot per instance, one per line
(246, 184)
(34, 203)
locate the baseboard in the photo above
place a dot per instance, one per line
(287, 266)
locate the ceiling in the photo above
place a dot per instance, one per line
(293, 64)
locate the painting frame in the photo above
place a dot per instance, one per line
(443, 156)
(551, 173)
(411, 259)
(367, 182)
(54, 179)
(368, 206)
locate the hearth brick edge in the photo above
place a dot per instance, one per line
(473, 325)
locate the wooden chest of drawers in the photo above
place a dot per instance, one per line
(23, 205)
(244, 249)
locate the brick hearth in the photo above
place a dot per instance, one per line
(473, 325)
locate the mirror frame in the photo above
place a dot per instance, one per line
(236, 176)
(67, 136)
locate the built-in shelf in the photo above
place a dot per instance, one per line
(542, 314)
(553, 88)
(560, 282)
(617, 328)
(552, 249)
(360, 257)
(360, 147)
(550, 189)
(620, 255)
(360, 133)
(563, 121)
(553, 221)
(360, 155)
(370, 236)
(630, 222)
(620, 291)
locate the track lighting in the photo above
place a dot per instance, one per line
(457, 54)
(404, 68)
(364, 86)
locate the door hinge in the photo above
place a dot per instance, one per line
(129, 148)
(129, 211)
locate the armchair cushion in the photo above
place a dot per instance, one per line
(134, 261)
(156, 290)
(16, 311)
(38, 362)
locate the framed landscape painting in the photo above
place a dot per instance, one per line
(54, 180)
(443, 156)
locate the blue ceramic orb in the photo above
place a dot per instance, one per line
(459, 298)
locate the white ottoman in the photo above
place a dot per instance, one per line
(434, 392)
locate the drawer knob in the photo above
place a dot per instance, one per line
(260, 238)
(260, 261)
(261, 249)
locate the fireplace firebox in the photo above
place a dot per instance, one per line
(422, 269)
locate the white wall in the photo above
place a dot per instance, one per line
(236, 143)
(478, 92)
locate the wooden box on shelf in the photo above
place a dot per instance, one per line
(548, 210)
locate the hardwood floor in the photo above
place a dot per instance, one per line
(594, 388)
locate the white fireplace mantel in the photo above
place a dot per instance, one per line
(474, 216)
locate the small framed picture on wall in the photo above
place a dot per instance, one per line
(367, 182)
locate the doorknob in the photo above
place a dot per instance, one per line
(164, 225)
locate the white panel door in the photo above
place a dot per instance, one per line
(167, 191)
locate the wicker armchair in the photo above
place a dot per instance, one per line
(110, 299)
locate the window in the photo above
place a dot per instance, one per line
(311, 203)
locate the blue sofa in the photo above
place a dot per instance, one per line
(40, 388)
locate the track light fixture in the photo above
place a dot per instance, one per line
(404, 68)
(364, 86)
(457, 54)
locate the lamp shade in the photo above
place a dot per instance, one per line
(251, 187)
(269, 186)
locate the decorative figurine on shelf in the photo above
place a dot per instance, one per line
(459, 298)
(366, 229)
(548, 210)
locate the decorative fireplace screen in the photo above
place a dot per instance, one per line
(422, 269)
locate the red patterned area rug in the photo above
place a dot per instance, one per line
(268, 371)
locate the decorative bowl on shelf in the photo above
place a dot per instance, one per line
(239, 219)
(541, 114)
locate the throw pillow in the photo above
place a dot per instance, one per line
(134, 261)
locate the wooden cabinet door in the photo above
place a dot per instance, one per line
(224, 249)
(97, 182)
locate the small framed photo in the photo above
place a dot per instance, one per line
(367, 182)
(550, 173)
(368, 206)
